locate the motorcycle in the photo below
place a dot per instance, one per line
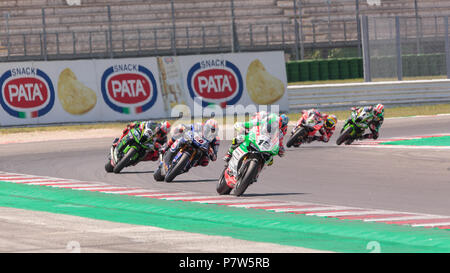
(306, 129)
(355, 126)
(134, 149)
(256, 151)
(189, 149)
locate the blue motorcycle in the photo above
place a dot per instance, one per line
(185, 153)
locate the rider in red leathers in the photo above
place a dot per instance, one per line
(326, 131)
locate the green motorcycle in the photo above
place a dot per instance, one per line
(355, 126)
(129, 150)
(256, 151)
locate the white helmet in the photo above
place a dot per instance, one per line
(210, 129)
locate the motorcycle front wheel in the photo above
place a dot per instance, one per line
(298, 135)
(344, 136)
(125, 160)
(248, 177)
(178, 168)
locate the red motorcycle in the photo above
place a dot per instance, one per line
(307, 126)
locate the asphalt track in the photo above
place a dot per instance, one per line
(410, 180)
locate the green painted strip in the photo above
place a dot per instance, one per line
(247, 224)
(427, 141)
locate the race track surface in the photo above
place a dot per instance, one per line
(410, 180)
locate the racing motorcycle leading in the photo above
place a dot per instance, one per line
(311, 122)
(362, 118)
(193, 145)
(140, 141)
(251, 153)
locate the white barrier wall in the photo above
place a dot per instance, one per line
(139, 88)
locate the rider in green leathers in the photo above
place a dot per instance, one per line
(375, 123)
(243, 127)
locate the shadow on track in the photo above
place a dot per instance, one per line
(136, 172)
(193, 181)
(272, 194)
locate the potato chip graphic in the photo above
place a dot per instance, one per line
(262, 87)
(75, 97)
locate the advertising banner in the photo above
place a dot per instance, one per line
(224, 80)
(139, 88)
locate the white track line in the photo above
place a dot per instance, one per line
(400, 218)
(319, 207)
(162, 193)
(366, 212)
(131, 191)
(76, 186)
(432, 224)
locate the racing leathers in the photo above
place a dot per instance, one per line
(325, 132)
(172, 145)
(374, 124)
(242, 128)
(153, 145)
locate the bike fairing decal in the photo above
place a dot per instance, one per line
(235, 97)
(126, 110)
(34, 114)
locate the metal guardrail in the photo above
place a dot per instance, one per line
(343, 96)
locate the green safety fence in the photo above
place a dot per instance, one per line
(352, 68)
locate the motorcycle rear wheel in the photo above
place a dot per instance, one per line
(108, 167)
(157, 175)
(222, 187)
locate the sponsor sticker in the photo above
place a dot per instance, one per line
(26, 92)
(128, 88)
(216, 81)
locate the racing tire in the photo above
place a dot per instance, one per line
(178, 168)
(298, 135)
(222, 187)
(248, 178)
(344, 136)
(157, 175)
(125, 160)
(108, 167)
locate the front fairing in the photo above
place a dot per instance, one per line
(361, 118)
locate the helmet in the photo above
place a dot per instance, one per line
(284, 120)
(379, 109)
(331, 121)
(147, 130)
(210, 129)
(165, 127)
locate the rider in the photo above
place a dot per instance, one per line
(243, 127)
(375, 123)
(156, 134)
(327, 129)
(210, 130)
